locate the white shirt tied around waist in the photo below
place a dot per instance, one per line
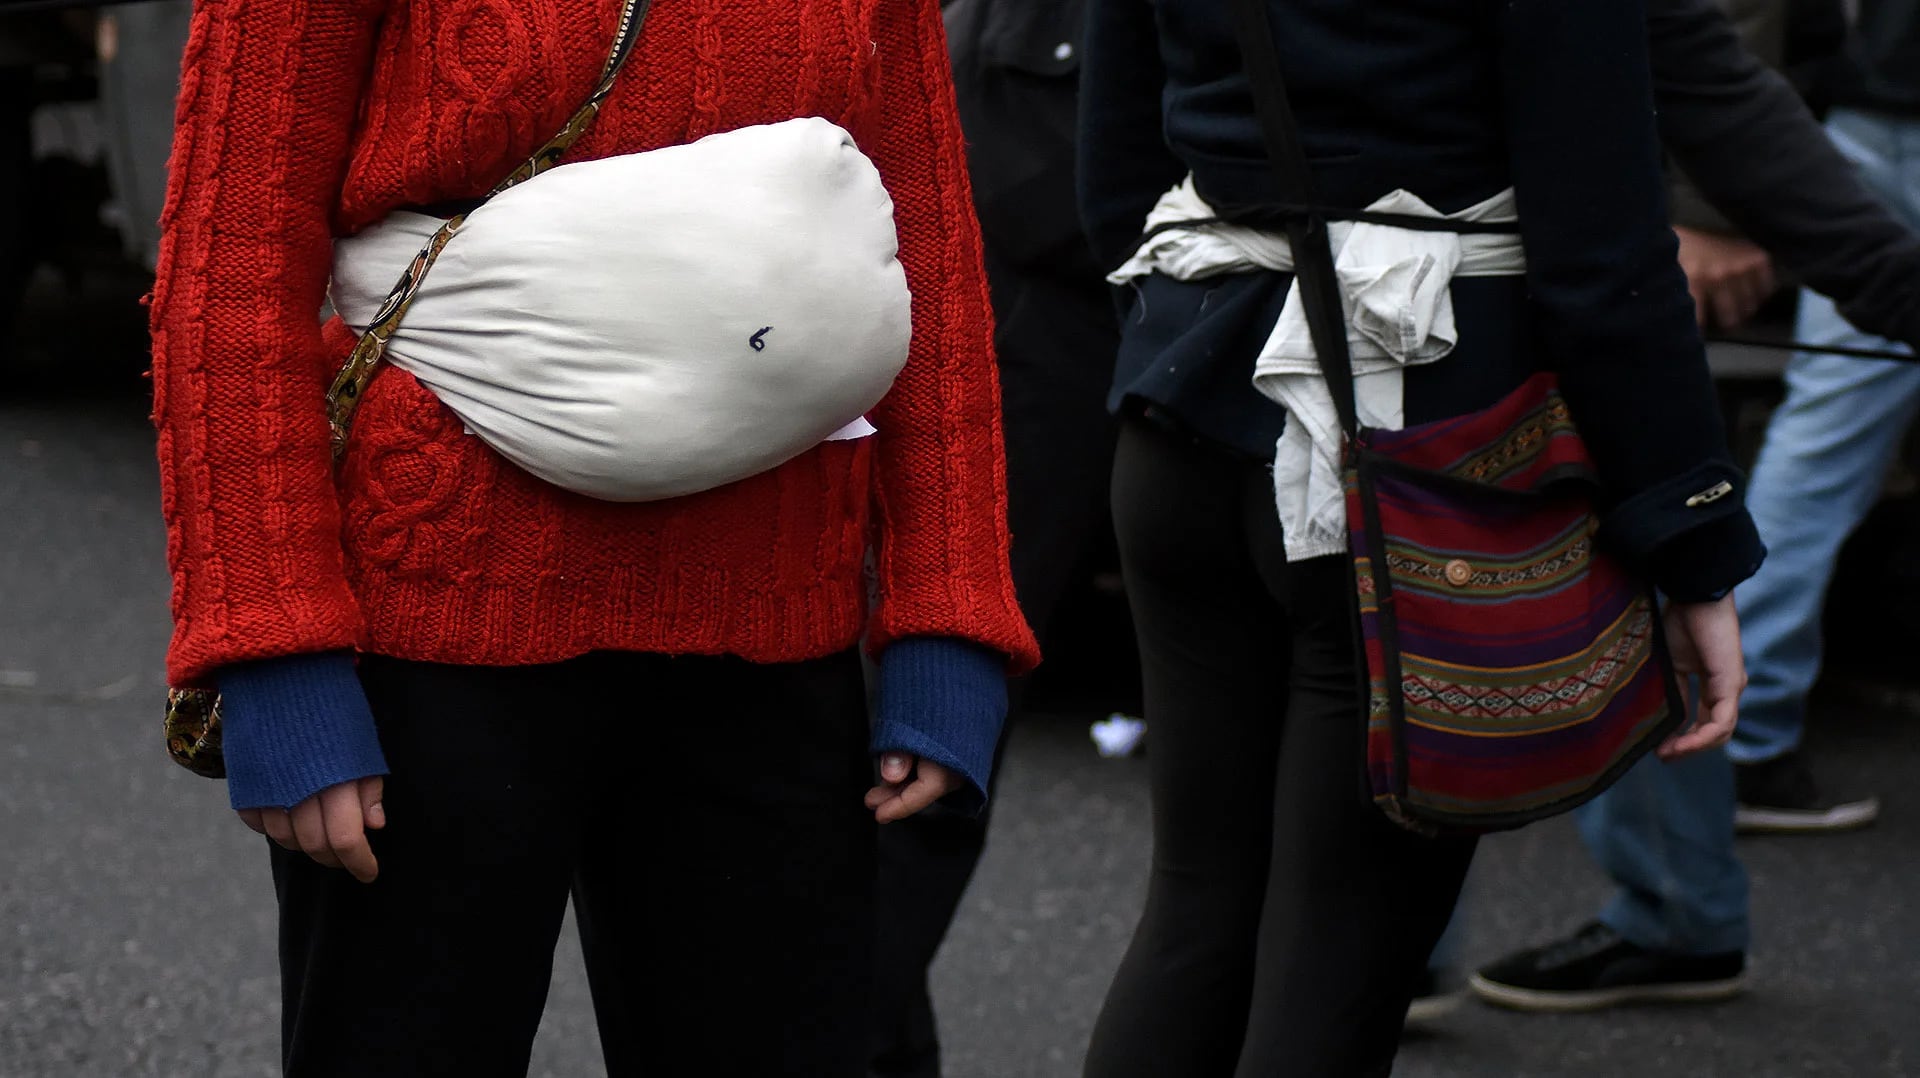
(1394, 286)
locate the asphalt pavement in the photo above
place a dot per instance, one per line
(136, 925)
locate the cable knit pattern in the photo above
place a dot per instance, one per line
(301, 120)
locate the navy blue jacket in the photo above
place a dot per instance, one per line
(1453, 100)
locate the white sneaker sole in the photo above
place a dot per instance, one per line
(1752, 820)
(1430, 1009)
(1528, 999)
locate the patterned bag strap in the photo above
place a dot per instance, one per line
(344, 395)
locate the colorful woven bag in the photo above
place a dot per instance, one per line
(1513, 669)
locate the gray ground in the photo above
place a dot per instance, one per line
(136, 925)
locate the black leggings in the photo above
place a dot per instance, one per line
(706, 815)
(1286, 920)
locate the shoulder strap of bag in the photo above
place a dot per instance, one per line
(344, 395)
(1306, 224)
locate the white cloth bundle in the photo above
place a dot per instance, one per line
(657, 324)
(1394, 284)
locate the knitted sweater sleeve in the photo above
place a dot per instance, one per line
(269, 94)
(941, 501)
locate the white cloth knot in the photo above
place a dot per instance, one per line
(1395, 284)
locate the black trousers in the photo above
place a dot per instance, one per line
(705, 813)
(1286, 920)
(1056, 360)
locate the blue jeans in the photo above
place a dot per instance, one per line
(1665, 833)
(1819, 473)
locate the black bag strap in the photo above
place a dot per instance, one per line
(1307, 228)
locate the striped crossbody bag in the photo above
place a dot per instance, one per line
(1512, 668)
(192, 722)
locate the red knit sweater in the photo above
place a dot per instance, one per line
(301, 120)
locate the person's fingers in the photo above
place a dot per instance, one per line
(886, 807)
(1700, 301)
(910, 800)
(310, 830)
(1729, 305)
(279, 828)
(251, 817)
(1721, 717)
(934, 783)
(342, 814)
(1712, 729)
(372, 810)
(895, 767)
(1759, 284)
(880, 795)
(1707, 638)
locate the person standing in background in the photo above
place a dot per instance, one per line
(1678, 929)
(139, 78)
(1016, 69)
(1287, 921)
(1829, 444)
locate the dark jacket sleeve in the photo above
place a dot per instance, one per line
(1761, 26)
(1751, 146)
(1614, 313)
(1124, 162)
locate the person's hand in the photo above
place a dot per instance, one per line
(1729, 277)
(1705, 641)
(330, 827)
(908, 784)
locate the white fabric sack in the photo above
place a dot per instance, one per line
(653, 325)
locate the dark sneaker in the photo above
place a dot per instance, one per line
(1779, 796)
(1595, 968)
(1438, 995)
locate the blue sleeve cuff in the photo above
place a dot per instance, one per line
(944, 700)
(293, 727)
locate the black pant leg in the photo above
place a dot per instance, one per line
(441, 966)
(1286, 950)
(925, 864)
(726, 894)
(1056, 345)
(1214, 653)
(1354, 903)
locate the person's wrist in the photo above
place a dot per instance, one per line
(293, 726)
(943, 700)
